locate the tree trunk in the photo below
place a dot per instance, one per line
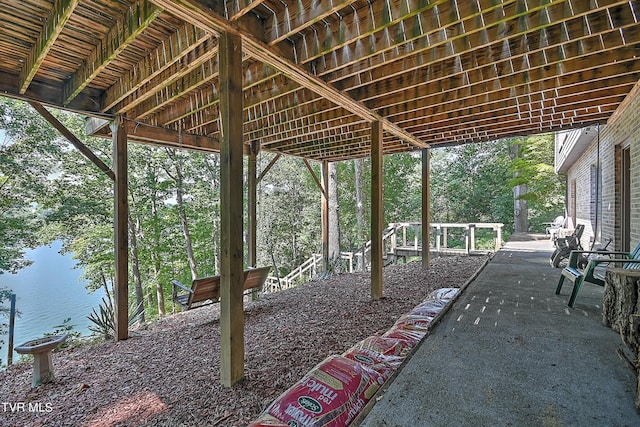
(179, 180)
(520, 208)
(621, 312)
(334, 215)
(185, 230)
(135, 266)
(155, 259)
(213, 169)
(358, 166)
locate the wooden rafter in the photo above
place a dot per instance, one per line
(193, 12)
(120, 36)
(132, 86)
(62, 10)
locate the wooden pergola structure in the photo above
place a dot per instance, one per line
(323, 80)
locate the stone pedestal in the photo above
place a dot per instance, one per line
(41, 351)
(621, 311)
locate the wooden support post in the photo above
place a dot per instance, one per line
(251, 203)
(12, 323)
(231, 201)
(252, 194)
(121, 228)
(426, 209)
(377, 220)
(325, 216)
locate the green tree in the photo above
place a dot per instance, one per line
(535, 168)
(470, 183)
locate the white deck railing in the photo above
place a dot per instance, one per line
(398, 239)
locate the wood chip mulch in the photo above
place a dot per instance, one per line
(167, 374)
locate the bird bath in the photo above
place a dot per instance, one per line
(41, 350)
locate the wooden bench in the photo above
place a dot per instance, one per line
(595, 268)
(206, 290)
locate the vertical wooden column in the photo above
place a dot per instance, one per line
(426, 208)
(231, 201)
(325, 216)
(121, 228)
(377, 220)
(252, 192)
(12, 323)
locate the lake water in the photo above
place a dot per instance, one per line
(47, 293)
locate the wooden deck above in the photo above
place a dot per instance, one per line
(317, 73)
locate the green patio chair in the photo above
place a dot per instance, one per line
(593, 272)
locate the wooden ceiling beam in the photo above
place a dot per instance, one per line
(120, 36)
(236, 13)
(542, 124)
(194, 12)
(159, 136)
(174, 51)
(512, 113)
(204, 101)
(480, 120)
(60, 14)
(303, 15)
(498, 132)
(385, 70)
(86, 103)
(436, 25)
(361, 26)
(454, 107)
(203, 72)
(340, 150)
(304, 127)
(386, 92)
(428, 107)
(435, 48)
(282, 140)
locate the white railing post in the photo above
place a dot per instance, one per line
(472, 237)
(445, 238)
(466, 239)
(404, 235)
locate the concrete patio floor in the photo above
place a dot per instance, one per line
(510, 352)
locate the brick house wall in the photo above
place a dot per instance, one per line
(622, 130)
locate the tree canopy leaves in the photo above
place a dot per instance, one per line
(49, 191)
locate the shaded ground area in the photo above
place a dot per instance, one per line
(510, 352)
(168, 375)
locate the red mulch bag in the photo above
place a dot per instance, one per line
(386, 346)
(410, 336)
(385, 365)
(267, 421)
(429, 308)
(331, 394)
(444, 294)
(414, 322)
